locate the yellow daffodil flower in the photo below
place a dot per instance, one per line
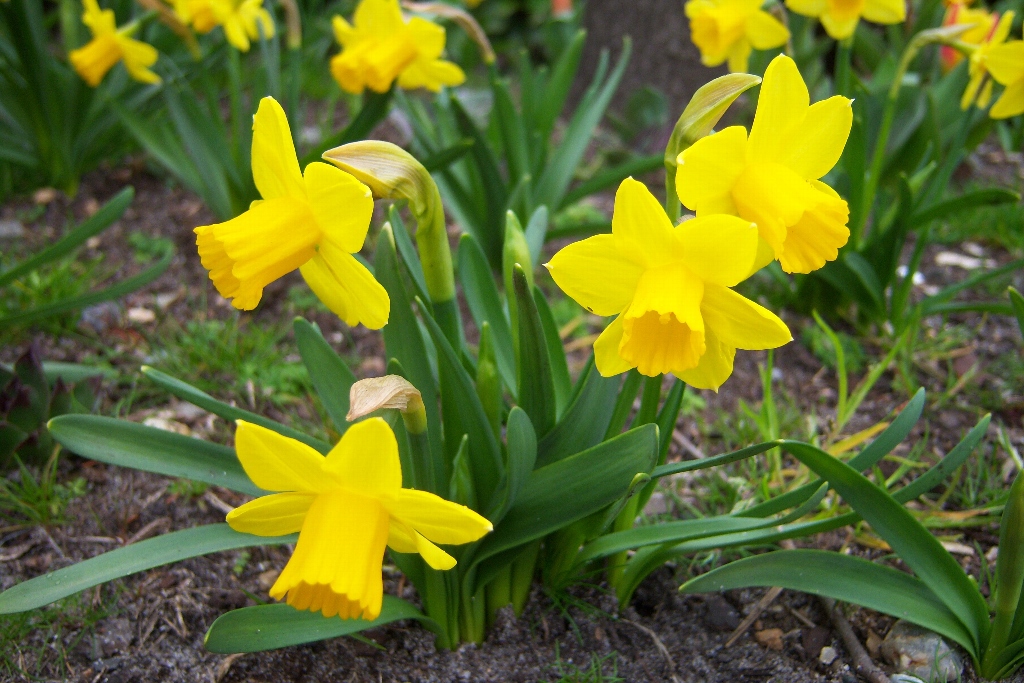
(110, 45)
(1005, 63)
(243, 20)
(313, 222)
(840, 17)
(772, 177)
(670, 288)
(981, 21)
(381, 46)
(979, 88)
(728, 29)
(346, 507)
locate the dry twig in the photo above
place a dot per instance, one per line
(660, 645)
(862, 662)
(768, 599)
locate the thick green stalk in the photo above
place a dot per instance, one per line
(523, 569)
(499, 593)
(1009, 576)
(844, 67)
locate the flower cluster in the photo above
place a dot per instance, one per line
(242, 20)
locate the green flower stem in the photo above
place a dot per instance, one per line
(499, 593)
(436, 259)
(844, 67)
(938, 183)
(523, 569)
(673, 207)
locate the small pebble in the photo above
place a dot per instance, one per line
(828, 655)
(720, 615)
(141, 315)
(771, 638)
(10, 229)
(44, 195)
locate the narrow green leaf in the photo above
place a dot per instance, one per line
(115, 564)
(330, 375)
(842, 577)
(447, 156)
(149, 449)
(374, 110)
(535, 380)
(411, 259)
(992, 196)
(921, 551)
(585, 422)
(931, 304)
(1017, 301)
(665, 532)
(557, 88)
(522, 457)
(556, 353)
(97, 223)
(536, 231)
(608, 177)
(715, 461)
(201, 399)
(510, 126)
(1009, 570)
(485, 304)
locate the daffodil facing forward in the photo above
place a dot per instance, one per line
(727, 30)
(772, 178)
(346, 507)
(1005, 64)
(840, 17)
(670, 288)
(110, 45)
(979, 88)
(381, 46)
(314, 222)
(243, 20)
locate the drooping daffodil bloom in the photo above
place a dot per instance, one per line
(314, 222)
(727, 30)
(979, 19)
(979, 88)
(110, 45)
(670, 288)
(346, 507)
(380, 46)
(772, 178)
(243, 20)
(1005, 63)
(840, 17)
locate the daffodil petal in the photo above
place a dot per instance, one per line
(839, 28)
(739, 322)
(815, 147)
(715, 365)
(344, 32)
(1010, 103)
(708, 169)
(439, 520)
(379, 18)
(431, 74)
(275, 167)
(138, 56)
(1002, 31)
(819, 234)
(405, 540)
(663, 330)
(641, 224)
(739, 56)
(274, 515)
(765, 31)
(808, 8)
(428, 36)
(366, 459)
(1006, 62)
(341, 205)
(606, 350)
(278, 463)
(781, 106)
(594, 273)
(336, 566)
(885, 11)
(347, 288)
(718, 248)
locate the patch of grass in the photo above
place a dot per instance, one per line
(36, 644)
(600, 669)
(231, 358)
(30, 499)
(65, 279)
(1001, 225)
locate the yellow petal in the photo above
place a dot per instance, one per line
(641, 225)
(236, 34)
(739, 56)
(808, 8)
(405, 540)
(782, 105)
(439, 520)
(275, 167)
(708, 169)
(138, 57)
(347, 70)
(1005, 62)
(971, 91)
(739, 322)
(885, 11)
(1002, 31)
(595, 274)
(387, 60)
(347, 287)
(718, 248)
(819, 234)
(274, 515)
(765, 31)
(341, 205)
(816, 145)
(336, 567)
(427, 36)
(278, 463)
(431, 74)
(714, 367)
(366, 459)
(606, 350)
(772, 196)
(248, 252)
(344, 33)
(93, 60)
(985, 96)
(1010, 103)
(379, 18)
(839, 28)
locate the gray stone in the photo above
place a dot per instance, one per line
(919, 652)
(10, 229)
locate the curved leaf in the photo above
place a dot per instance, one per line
(331, 377)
